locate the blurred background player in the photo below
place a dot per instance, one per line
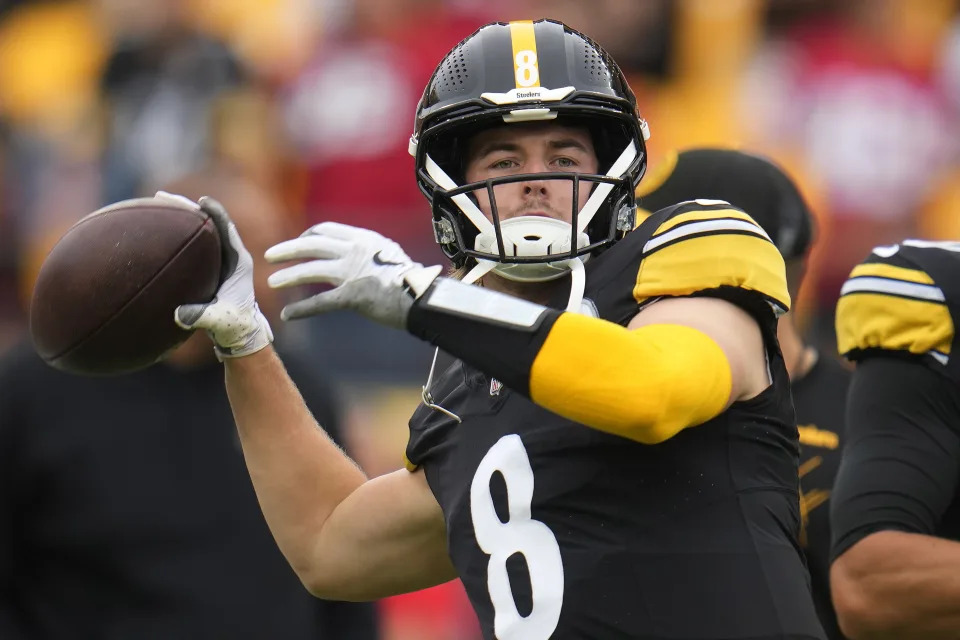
(127, 511)
(819, 384)
(895, 511)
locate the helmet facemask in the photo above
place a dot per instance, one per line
(532, 248)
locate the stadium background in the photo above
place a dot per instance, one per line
(313, 100)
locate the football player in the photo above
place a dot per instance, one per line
(613, 455)
(895, 510)
(761, 188)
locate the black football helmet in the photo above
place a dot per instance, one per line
(525, 72)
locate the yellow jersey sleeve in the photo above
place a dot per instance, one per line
(708, 245)
(890, 303)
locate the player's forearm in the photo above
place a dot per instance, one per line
(893, 585)
(299, 474)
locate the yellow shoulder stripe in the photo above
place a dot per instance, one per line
(878, 321)
(711, 261)
(881, 270)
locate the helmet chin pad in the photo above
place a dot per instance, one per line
(531, 237)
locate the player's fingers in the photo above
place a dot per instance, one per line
(313, 272)
(177, 198)
(340, 231)
(316, 247)
(333, 300)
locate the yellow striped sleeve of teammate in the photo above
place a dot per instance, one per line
(895, 308)
(709, 248)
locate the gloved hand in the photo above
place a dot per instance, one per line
(372, 274)
(232, 318)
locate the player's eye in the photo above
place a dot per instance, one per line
(565, 163)
(504, 164)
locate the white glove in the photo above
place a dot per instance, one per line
(232, 318)
(372, 275)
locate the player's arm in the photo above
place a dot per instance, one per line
(680, 363)
(891, 577)
(347, 538)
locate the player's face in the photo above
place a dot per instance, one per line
(531, 148)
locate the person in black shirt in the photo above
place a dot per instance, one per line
(896, 504)
(126, 510)
(613, 455)
(819, 384)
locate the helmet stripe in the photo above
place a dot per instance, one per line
(526, 68)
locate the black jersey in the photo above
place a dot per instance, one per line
(896, 319)
(561, 531)
(820, 398)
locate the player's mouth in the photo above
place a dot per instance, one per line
(541, 214)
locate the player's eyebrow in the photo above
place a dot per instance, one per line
(511, 147)
(568, 143)
(496, 145)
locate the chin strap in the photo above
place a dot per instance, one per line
(578, 283)
(578, 279)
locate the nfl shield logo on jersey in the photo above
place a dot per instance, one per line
(495, 386)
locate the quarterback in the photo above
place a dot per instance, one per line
(613, 454)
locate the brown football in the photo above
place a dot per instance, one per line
(104, 297)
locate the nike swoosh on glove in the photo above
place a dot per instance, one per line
(232, 318)
(371, 274)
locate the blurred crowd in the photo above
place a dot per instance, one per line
(313, 102)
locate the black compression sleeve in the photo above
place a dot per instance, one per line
(484, 329)
(900, 464)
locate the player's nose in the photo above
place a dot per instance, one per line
(535, 188)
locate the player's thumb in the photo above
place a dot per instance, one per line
(189, 316)
(332, 300)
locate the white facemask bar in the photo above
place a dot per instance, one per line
(603, 189)
(471, 210)
(482, 268)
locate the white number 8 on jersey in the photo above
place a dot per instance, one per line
(519, 534)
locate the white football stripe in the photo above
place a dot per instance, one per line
(700, 227)
(893, 287)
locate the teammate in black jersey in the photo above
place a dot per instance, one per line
(761, 188)
(613, 455)
(896, 504)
